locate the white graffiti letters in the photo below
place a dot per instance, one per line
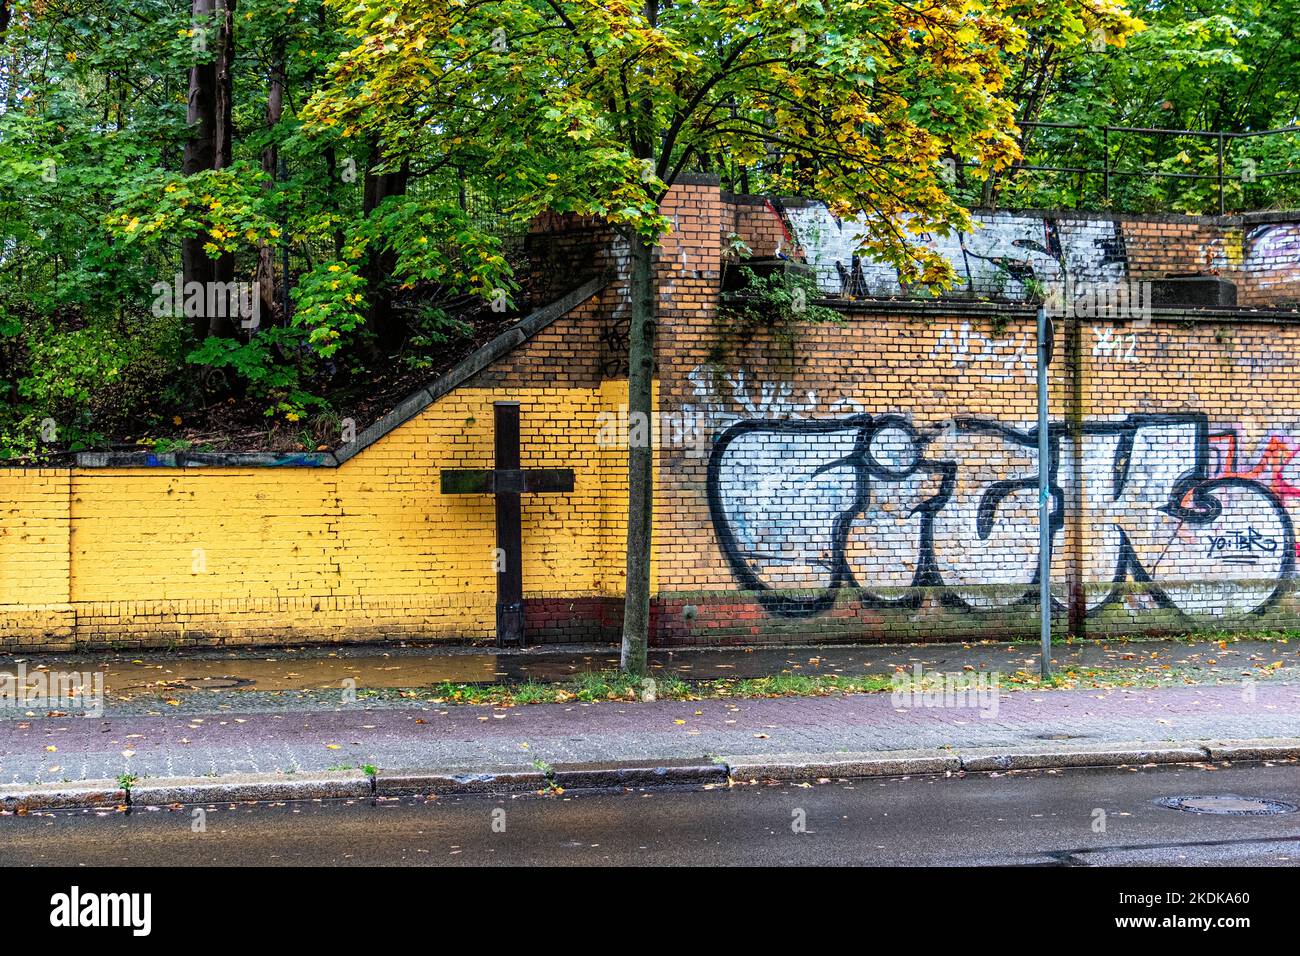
(803, 509)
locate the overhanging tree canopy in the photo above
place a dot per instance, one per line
(597, 108)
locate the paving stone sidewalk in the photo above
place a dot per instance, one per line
(309, 679)
(52, 750)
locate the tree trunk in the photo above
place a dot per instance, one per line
(211, 142)
(640, 456)
(382, 262)
(270, 165)
(224, 145)
(200, 151)
(224, 81)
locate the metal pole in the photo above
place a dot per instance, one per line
(1044, 504)
(1105, 165)
(1220, 174)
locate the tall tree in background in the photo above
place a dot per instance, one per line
(211, 141)
(598, 108)
(275, 92)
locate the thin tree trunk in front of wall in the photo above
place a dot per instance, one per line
(640, 456)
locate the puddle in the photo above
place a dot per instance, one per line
(152, 674)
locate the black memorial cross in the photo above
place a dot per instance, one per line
(507, 481)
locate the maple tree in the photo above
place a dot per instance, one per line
(597, 108)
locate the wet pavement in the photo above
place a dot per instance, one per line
(474, 737)
(1037, 818)
(227, 676)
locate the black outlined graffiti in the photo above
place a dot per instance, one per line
(803, 509)
(1007, 256)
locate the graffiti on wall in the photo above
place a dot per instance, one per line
(1000, 258)
(1275, 248)
(722, 398)
(1003, 357)
(805, 508)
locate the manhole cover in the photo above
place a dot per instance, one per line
(1228, 804)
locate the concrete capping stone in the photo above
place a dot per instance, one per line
(402, 413)
(1210, 219)
(697, 179)
(1265, 217)
(1024, 310)
(196, 459)
(471, 365)
(779, 202)
(16, 798)
(1241, 219)
(242, 788)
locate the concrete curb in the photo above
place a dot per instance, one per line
(590, 776)
(836, 766)
(356, 785)
(1106, 756)
(491, 780)
(1269, 749)
(984, 760)
(244, 788)
(86, 794)
(647, 773)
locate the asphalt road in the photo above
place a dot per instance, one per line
(1035, 818)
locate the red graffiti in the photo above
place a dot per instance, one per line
(1269, 468)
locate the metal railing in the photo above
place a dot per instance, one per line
(1109, 170)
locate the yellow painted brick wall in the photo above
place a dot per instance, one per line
(34, 601)
(370, 550)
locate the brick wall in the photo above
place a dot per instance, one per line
(1009, 250)
(881, 484)
(871, 480)
(877, 479)
(761, 224)
(34, 556)
(368, 551)
(1271, 251)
